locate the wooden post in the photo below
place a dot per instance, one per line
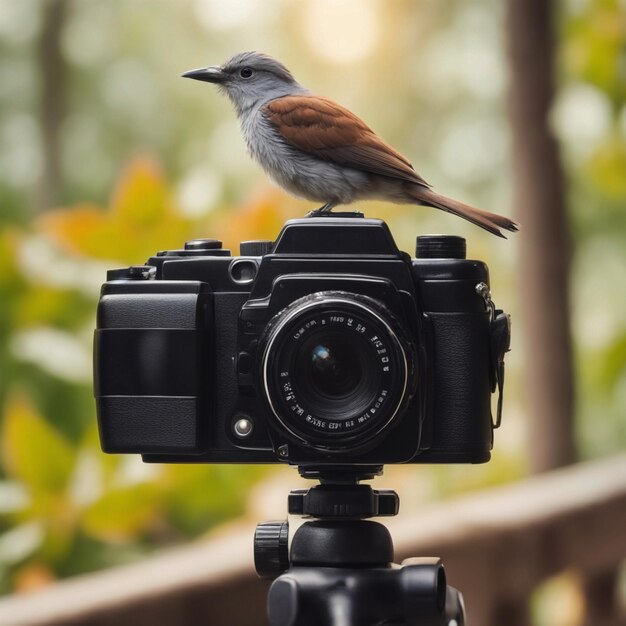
(52, 105)
(512, 614)
(601, 594)
(545, 248)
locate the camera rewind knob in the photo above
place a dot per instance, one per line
(271, 549)
(440, 247)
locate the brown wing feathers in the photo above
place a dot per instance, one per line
(325, 129)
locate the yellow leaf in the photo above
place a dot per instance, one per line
(141, 220)
(79, 230)
(33, 451)
(9, 274)
(607, 167)
(260, 218)
(122, 514)
(32, 577)
(141, 195)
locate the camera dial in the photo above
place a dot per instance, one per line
(336, 368)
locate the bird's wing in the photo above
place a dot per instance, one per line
(325, 129)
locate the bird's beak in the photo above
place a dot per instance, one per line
(207, 74)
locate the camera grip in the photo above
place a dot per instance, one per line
(460, 404)
(151, 352)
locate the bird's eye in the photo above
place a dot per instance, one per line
(246, 72)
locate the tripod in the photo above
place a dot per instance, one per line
(339, 570)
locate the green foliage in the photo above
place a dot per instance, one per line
(33, 452)
(203, 495)
(607, 166)
(70, 507)
(593, 51)
(594, 46)
(122, 513)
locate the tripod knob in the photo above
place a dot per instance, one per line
(271, 549)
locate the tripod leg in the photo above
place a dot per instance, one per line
(312, 596)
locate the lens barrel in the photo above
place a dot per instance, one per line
(335, 370)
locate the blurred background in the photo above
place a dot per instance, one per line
(107, 155)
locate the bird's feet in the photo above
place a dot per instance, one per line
(323, 210)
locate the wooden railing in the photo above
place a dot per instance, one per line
(498, 546)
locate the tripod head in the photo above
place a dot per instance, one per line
(339, 569)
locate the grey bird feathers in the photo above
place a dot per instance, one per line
(317, 149)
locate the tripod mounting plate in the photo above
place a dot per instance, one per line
(340, 474)
(343, 501)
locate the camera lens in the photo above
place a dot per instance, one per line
(335, 370)
(335, 373)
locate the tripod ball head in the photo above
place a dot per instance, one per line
(339, 570)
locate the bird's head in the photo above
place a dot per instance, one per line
(249, 79)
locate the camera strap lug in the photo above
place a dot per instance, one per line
(500, 336)
(482, 289)
(500, 345)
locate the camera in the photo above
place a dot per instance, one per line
(326, 347)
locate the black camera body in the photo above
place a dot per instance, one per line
(326, 347)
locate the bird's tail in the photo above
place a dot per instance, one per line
(489, 221)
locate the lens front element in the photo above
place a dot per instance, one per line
(329, 365)
(334, 370)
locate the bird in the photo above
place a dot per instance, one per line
(317, 149)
